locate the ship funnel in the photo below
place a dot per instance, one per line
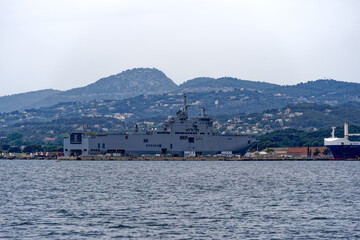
(346, 130)
(333, 132)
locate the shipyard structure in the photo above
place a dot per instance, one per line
(180, 136)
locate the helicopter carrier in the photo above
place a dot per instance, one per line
(180, 136)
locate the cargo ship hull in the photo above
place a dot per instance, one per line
(345, 151)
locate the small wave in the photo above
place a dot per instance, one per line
(52, 233)
(121, 226)
(25, 223)
(63, 211)
(319, 218)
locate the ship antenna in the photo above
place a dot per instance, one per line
(333, 132)
(203, 112)
(185, 106)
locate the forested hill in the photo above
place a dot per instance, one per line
(226, 95)
(323, 91)
(211, 84)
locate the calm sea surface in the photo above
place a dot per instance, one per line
(179, 200)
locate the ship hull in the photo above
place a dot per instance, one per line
(345, 151)
(164, 144)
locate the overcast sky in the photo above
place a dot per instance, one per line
(71, 43)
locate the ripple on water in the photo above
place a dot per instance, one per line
(179, 200)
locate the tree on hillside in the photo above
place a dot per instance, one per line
(53, 148)
(14, 150)
(5, 147)
(33, 148)
(14, 136)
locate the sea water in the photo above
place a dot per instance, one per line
(179, 200)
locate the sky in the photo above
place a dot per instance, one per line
(63, 44)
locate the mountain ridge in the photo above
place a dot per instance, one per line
(151, 81)
(24, 100)
(208, 84)
(129, 83)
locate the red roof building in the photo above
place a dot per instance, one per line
(306, 151)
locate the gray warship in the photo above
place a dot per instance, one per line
(180, 136)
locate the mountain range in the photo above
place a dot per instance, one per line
(240, 95)
(127, 84)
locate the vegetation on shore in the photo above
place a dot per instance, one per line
(14, 143)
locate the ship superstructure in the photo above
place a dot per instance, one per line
(343, 148)
(180, 136)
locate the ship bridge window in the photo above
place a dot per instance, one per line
(153, 145)
(183, 137)
(146, 140)
(75, 138)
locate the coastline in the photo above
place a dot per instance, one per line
(165, 158)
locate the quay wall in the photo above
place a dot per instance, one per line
(213, 158)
